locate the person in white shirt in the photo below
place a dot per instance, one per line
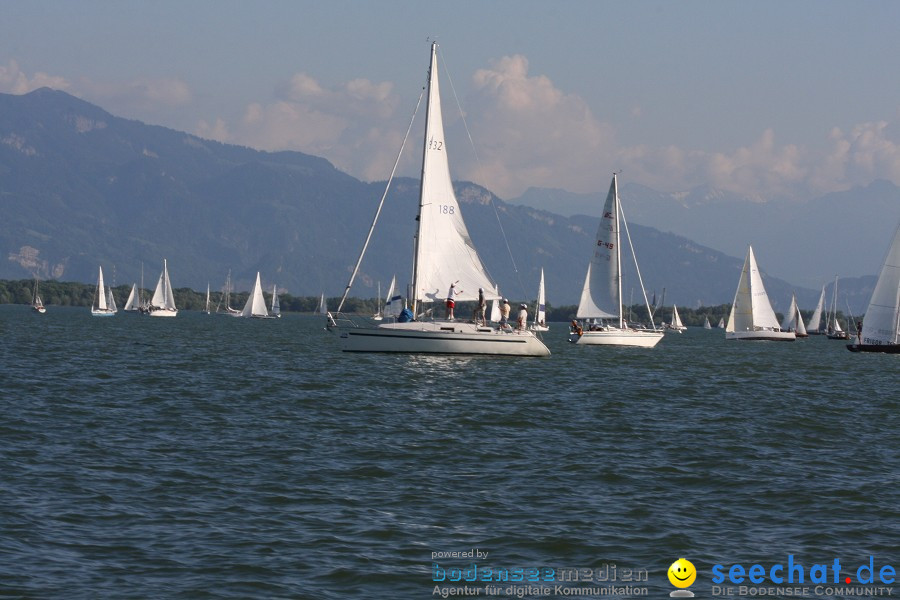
(523, 316)
(452, 293)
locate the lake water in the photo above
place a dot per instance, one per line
(211, 457)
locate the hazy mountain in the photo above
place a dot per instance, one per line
(844, 233)
(81, 188)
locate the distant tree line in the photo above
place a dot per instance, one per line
(70, 293)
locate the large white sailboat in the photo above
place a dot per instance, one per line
(444, 255)
(601, 297)
(162, 304)
(104, 304)
(540, 308)
(793, 320)
(881, 325)
(256, 302)
(752, 317)
(814, 327)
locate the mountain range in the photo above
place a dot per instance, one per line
(80, 187)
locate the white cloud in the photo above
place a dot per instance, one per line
(14, 81)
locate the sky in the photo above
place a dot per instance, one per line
(766, 99)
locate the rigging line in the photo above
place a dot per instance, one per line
(380, 204)
(480, 170)
(636, 267)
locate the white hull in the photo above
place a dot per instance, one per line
(761, 335)
(439, 337)
(539, 328)
(102, 313)
(618, 337)
(163, 312)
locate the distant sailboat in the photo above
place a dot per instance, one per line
(835, 331)
(752, 317)
(706, 324)
(601, 297)
(131, 304)
(676, 324)
(256, 302)
(815, 321)
(721, 324)
(793, 321)
(322, 308)
(227, 310)
(206, 310)
(881, 325)
(37, 305)
(540, 309)
(103, 305)
(162, 304)
(276, 304)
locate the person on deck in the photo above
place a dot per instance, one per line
(452, 293)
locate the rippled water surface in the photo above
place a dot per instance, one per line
(210, 457)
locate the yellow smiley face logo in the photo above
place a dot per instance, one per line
(682, 573)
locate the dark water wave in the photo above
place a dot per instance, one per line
(209, 457)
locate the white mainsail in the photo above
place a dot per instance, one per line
(601, 294)
(540, 308)
(101, 292)
(815, 321)
(751, 315)
(881, 325)
(322, 308)
(162, 304)
(444, 251)
(256, 303)
(131, 303)
(276, 304)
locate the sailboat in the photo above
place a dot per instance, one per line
(206, 310)
(162, 304)
(676, 324)
(793, 321)
(276, 304)
(881, 325)
(444, 255)
(834, 331)
(256, 303)
(540, 309)
(227, 310)
(752, 317)
(814, 327)
(322, 308)
(601, 297)
(131, 304)
(706, 324)
(37, 305)
(100, 306)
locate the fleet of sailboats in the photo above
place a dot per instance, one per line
(752, 317)
(600, 308)
(444, 255)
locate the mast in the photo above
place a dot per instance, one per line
(431, 83)
(618, 250)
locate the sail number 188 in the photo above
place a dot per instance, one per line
(446, 209)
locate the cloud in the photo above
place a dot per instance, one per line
(14, 81)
